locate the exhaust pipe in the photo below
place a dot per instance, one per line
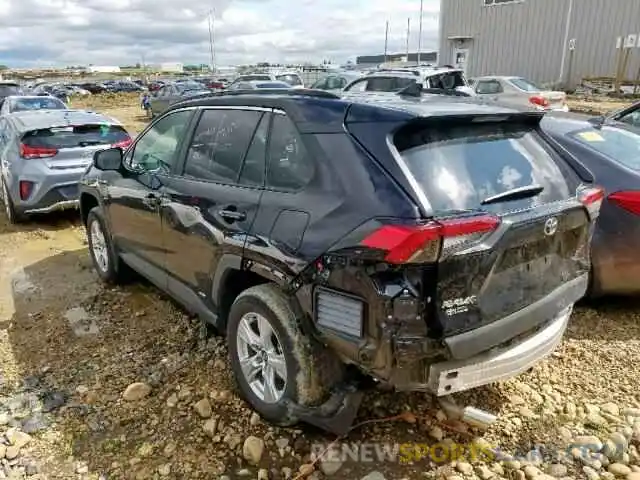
(470, 415)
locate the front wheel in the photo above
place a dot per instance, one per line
(273, 361)
(106, 262)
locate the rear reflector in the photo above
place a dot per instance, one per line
(430, 242)
(629, 200)
(124, 144)
(25, 189)
(591, 198)
(27, 151)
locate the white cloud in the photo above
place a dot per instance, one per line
(64, 32)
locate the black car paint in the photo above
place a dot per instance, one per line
(304, 240)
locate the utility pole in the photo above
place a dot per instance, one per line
(408, 32)
(420, 33)
(211, 42)
(386, 41)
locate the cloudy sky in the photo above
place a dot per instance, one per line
(117, 32)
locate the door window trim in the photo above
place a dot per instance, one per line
(182, 161)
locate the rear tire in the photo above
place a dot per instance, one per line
(9, 208)
(273, 361)
(106, 262)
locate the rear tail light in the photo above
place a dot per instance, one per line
(27, 151)
(25, 189)
(124, 144)
(629, 200)
(539, 101)
(591, 198)
(430, 242)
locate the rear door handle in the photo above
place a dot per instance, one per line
(233, 215)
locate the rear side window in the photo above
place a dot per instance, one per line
(462, 166)
(77, 136)
(220, 143)
(618, 144)
(388, 84)
(289, 164)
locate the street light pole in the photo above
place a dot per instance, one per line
(386, 40)
(211, 42)
(420, 32)
(408, 33)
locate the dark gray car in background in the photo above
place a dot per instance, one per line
(44, 153)
(166, 96)
(611, 152)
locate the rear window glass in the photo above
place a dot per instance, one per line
(618, 144)
(462, 166)
(77, 136)
(290, 79)
(273, 85)
(389, 84)
(251, 78)
(525, 85)
(40, 103)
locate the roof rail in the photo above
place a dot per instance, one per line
(293, 92)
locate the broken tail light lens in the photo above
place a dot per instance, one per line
(28, 152)
(629, 200)
(591, 198)
(430, 242)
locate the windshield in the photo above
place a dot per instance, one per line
(290, 79)
(39, 103)
(78, 136)
(461, 166)
(618, 144)
(525, 85)
(6, 90)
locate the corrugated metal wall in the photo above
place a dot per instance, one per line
(527, 37)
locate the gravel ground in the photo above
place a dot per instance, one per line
(110, 383)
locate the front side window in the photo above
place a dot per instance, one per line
(293, 80)
(289, 166)
(157, 149)
(320, 84)
(632, 118)
(219, 144)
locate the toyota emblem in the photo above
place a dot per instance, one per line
(550, 226)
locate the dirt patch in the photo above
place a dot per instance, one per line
(124, 107)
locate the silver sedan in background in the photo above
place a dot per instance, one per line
(43, 154)
(519, 91)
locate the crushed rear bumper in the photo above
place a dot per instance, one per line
(500, 363)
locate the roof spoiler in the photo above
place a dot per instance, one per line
(415, 90)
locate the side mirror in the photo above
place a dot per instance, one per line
(110, 159)
(597, 121)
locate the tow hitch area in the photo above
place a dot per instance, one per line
(336, 415)
(471, 415)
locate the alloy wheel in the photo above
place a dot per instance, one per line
(99, 246)
(261, 357)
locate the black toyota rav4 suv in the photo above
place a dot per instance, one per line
(431, 243)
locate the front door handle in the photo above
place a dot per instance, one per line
(232, 215)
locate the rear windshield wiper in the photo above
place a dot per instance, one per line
(514, 194)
